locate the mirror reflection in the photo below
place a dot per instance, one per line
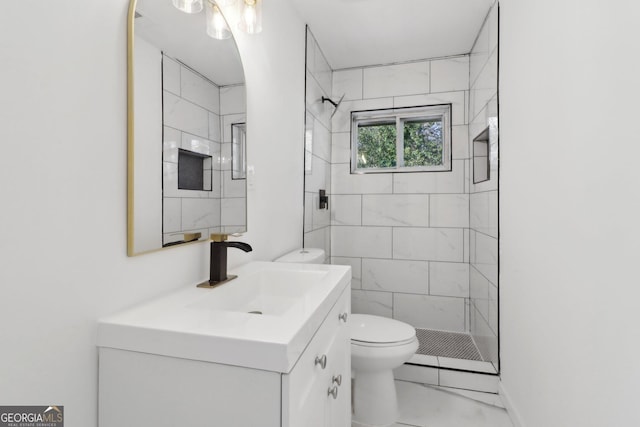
(187, 115)
(239, 151)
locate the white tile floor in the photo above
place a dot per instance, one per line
(426, 406)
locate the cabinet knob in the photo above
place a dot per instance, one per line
(322, 361)
(333, 391)
(343, 317)
(337, 379)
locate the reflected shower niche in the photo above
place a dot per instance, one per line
(194, 171)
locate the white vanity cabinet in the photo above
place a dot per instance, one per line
(145, 384)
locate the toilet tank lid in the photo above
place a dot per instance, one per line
(304, 256)
(377, 329)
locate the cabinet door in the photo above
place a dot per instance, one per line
(339, 408)
(306, 403)
(305, 398)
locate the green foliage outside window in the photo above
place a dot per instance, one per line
(377, 146)
(423, 144)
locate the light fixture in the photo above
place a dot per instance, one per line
(188, 6)
(251, 16)
(250, 12)
(216, 25)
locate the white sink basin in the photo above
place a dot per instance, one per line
(221, 324)
(267, 292)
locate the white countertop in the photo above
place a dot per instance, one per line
(212, 325)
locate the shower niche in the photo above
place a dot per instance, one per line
(481, 166)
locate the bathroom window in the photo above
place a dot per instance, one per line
(415, 139)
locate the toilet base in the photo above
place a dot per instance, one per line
(374, 399)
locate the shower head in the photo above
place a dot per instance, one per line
(332, 102)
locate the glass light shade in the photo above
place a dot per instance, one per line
(251, 16)
(216, 25)
(188, 6)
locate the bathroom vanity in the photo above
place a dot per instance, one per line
(270, 348)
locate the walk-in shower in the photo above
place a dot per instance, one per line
(423, 245)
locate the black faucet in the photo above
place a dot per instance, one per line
(218, 262)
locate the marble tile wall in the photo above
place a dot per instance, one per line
(483, 197)
(196, 115)
(405, 235)
(317, 140)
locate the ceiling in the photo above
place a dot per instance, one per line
(354, 33)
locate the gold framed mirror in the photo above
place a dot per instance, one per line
(185, 90)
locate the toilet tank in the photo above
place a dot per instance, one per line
(304, 256)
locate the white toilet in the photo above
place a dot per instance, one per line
(378, 346)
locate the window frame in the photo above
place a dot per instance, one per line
(400, 116)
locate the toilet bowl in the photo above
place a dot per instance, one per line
(378, 345)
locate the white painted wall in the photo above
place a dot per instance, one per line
(274, 72)
(63, 260)
(569, 209)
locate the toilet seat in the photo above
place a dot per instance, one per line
(376, 331)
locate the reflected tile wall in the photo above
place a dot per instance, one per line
(196, 115)
(233, 100)
(200, 91)
(200, 213)
(233, 202)
(233, 212)
(171, 75)
(184, 115)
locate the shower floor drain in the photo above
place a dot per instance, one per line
(447, 344)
